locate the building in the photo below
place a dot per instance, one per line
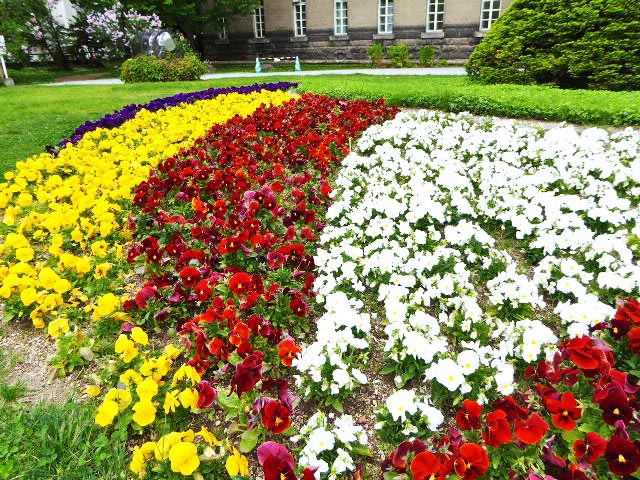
(343, 30)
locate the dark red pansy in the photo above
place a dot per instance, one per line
(298, 306)
(276, 417)
(531, 430)
(592, 447)
(203, 290)
(565, 411)
(276, 461)
(248, 373)
(472, 461)
(614, 404)
(206, 395)
(622, 455)
(512, 408)
(468, 417)
(497, 430)
(426, 466)
(239, 334)
(629, 310)
(275, 260)
(399, 456)
(634, 340)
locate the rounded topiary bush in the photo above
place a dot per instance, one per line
(148, 68)
(570, 43)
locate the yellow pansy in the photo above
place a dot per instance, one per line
(184, 458)
(237, 464)
(48, 278)
(208, 437)
(126, 347)
(25, 254)
(171, 402)
(106, 413)
(130, 376)
(25, 199)
(120, 396)
(186, 371)
(189, 398)
(28, 296)
(58, 327)
(62, 285)
(145, 413)
(171, 351)
(106, 305)
(139, 336)
(92, 390)
(101, 270)
(147, 389)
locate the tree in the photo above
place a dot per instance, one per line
(190, 17)
(570, 43)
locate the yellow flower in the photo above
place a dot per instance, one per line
(237, 464)
(140, 456)
(100, 248)
(188, 398)
(25, 199)
(25, 254)
(145, 413)
(147, 389)
(16, 240)
(48, 278)
(139, 336)
(106, 413)
(28, 296)
(186, 371)
(106, 305)
(58, 327)
(101, 270)
(166, 442)
(63, 285)
(171, 351)
(184, 458)
(130, 376)
(126, 347)
(120, 396)
(208, 437)
(92, 390)
(171, 402)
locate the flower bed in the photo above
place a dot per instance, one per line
(486, 267)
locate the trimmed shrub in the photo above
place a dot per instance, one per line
(148, 68)
(399, 54)
(426, 55)
(591, 44)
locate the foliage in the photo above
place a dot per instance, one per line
(426, 55)
(399, 54)
(591, 44)
(148, 68)
(376, 53)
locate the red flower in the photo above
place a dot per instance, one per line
(298, 306)
(629, 310)
(497, 431)
(468, 417)
(206, 395)
(275, 416)
(426, 466)
(240, 283)
(615, 406)
(566, 411)
(228, 245)
(247, 374)
(239, 334)
(275, 260)
(203, 291)
(531, 430)
(622, 455)
(277, 462)
(190, 276)
(634, 340)
(512, 408)
(472, 461)
(593, 447)
(288, 350)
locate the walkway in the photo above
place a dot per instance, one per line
(352, 71)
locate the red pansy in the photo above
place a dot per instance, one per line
(247, 373)
(239, 334)
(426, 466)
(565, 411)
(275, 416)
(468, 417)
(277, 462)
(206, 395)
(240, 283)
(497, 430)
(190, 276)
(298, 306)
(634, 340)
(593, 447)
(622, 455)
(531, 430)
(472, 461)
(288, 350)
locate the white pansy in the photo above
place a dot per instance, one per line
(401, 404)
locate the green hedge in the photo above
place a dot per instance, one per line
(592, 44)
(151, 69)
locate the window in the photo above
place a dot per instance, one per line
(340, 16)
(385, 20)
(435, 15)
(490, 13)
(258, 21)
(300, 18)
(222, 30)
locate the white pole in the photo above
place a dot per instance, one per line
(4, 67)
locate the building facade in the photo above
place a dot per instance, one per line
(343, 30)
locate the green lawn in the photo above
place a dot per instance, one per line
(34, 116)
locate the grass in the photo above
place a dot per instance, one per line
(49, 74)
(36, 116)
(53, 441)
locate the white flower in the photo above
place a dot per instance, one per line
(401, 404)
(469, 361)
(449, 374)
(320, 440)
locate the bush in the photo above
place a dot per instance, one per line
(427, 55)
(591, 44)
(399, 54)
(148, 68)
(376, 54)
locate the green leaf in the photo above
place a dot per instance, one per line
(249, 440)
(388, 369)
(361, 450)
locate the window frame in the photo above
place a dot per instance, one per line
(340, 17)
(435, 15)
(300, 18)
(259, 25)
(385, 17)
(493, 14)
